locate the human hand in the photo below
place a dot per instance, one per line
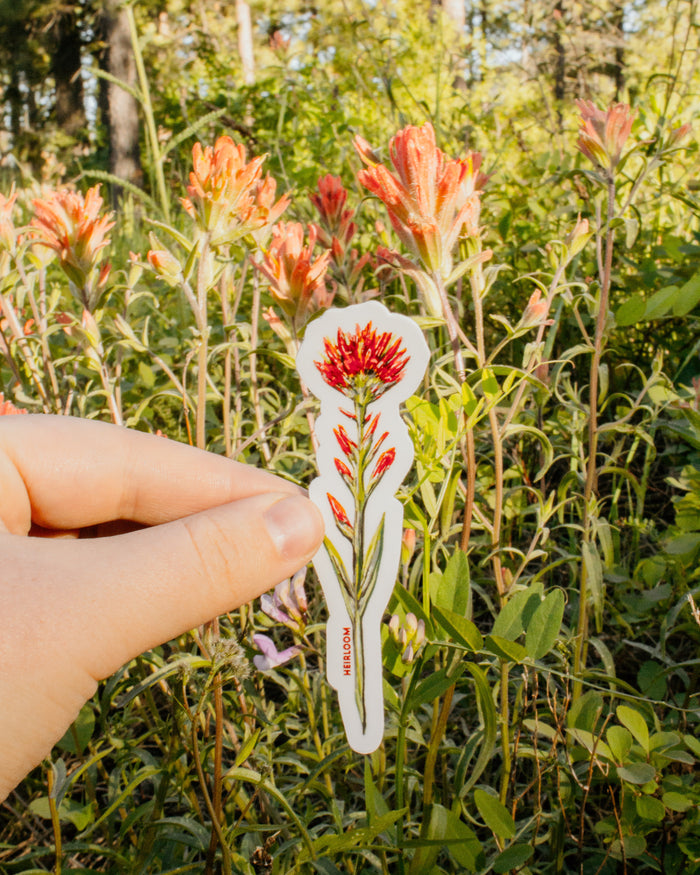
(73, 610)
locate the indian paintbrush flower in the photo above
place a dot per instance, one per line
(73, 226)
(432, 200)
(603, 133)
(227, 195)
(7, 408)
(296, 279)
(336, 222)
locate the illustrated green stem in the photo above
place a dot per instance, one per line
(358, 549)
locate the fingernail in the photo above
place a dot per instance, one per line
(295, 526)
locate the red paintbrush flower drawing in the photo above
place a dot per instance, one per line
(364, 364)
(352, 359)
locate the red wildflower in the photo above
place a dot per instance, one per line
(296, 280)
(343, 438)
(430, 198)
(337, 228)
(386, 460)
(338, 511)
(603, 133)
(372, 426)
(364, 364)
(343, 469)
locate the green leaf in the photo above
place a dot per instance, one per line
(594, 572)
(487, 711)
(650, 808)
(360, 837)
(661, 302)
(146, 375)
(453, 592)
(637, 773)
(688, 297)
(631, 312)
(461, 630)
(496, 816)
(489, 384)
(512, 858)
(511, 651)
(586, 711)
(445, 830)
(636, 724)
(678, 801)
(511, 621)
(82, 729)
(435, 685)
(247, 749)
(619, 742)
(543, 628)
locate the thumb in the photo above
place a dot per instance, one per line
(122, 595)
(73, 611)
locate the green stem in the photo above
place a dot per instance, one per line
(55, 824)
(436, 737)
(148, 114)
(203, 351)
(591, 485)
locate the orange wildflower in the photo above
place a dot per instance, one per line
(296, 279)
(8, 233)
(7, 408)
(227, 195)
(430, 197)
(73, 227)
(603, 133)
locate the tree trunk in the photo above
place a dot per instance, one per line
(456, 11)
(560, 64)
(122, 110)
(245, 41)
(65, 66)
(618, 20)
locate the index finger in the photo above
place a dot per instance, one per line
(65, 473)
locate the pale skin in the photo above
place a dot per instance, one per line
(210, 535)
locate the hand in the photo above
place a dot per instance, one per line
(72, 610)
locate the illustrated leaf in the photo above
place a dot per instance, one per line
(370, 566)
(340, 570)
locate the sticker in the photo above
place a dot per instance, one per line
(361, 362)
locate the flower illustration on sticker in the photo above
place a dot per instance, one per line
(361, 362)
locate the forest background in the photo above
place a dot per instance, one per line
(542, 669)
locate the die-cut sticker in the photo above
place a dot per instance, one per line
(361, 362)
